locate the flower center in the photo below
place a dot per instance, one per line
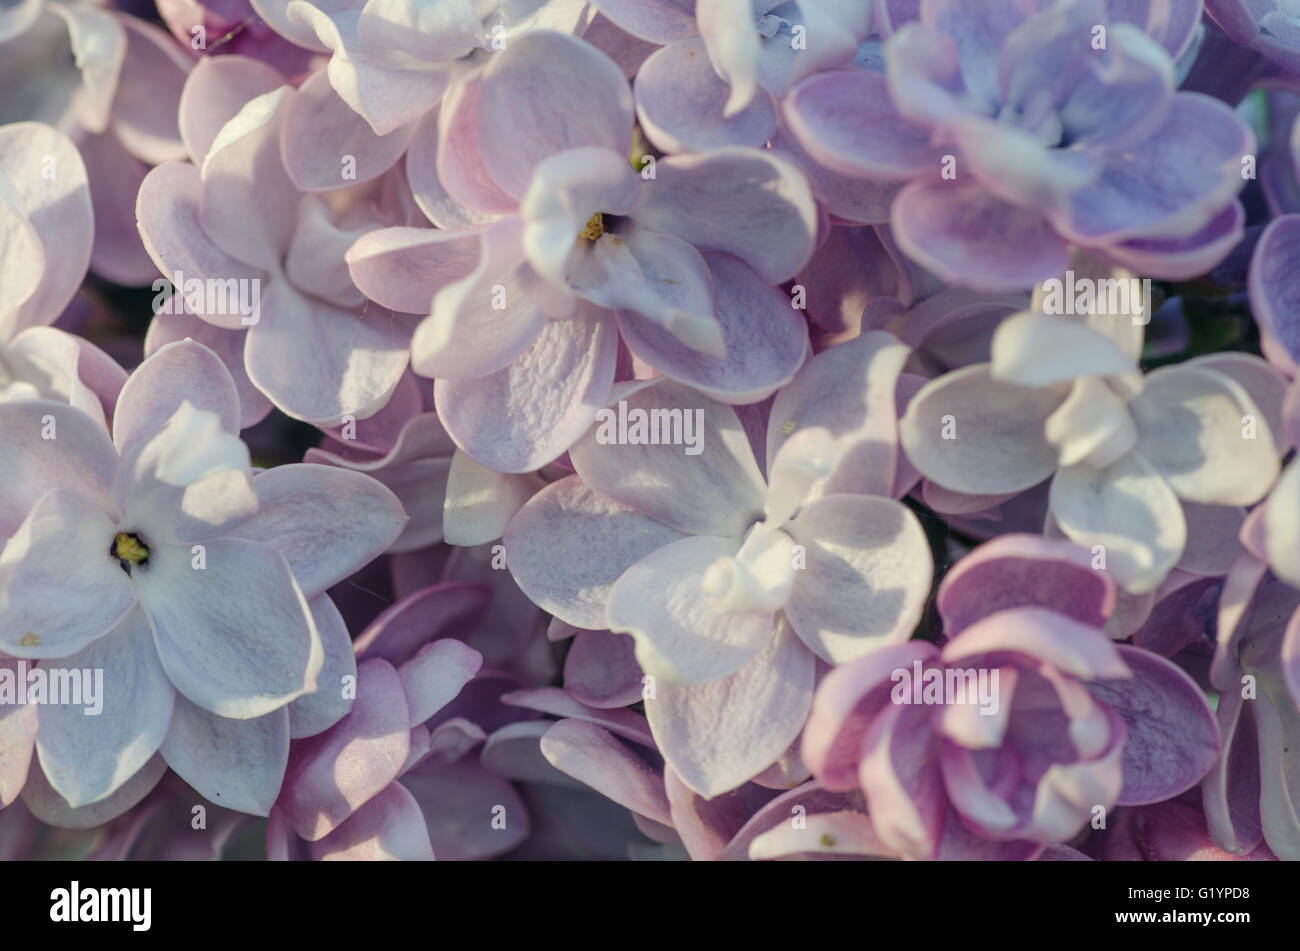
(595, 227)
(129, 549)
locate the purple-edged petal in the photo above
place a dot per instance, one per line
(1018, 570)
(846, 702)
(1173, 739)
(1152, 190)
(1076, 649)
(968, 236)
(1275, 282)
(900, 777)
(845, 120)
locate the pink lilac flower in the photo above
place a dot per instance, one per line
(581, 251)
(1077, 724)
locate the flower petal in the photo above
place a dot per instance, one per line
(972, 433)
(569, 544)
(867, 576)
(238, 764)
(236, 638)
(719, 734)
(1173, 739)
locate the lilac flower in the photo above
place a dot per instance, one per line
(527, 310)
(232, 217)
(1058, 126)
(198, 589)
(1062, 397)
(1074, 724)
(731, 583)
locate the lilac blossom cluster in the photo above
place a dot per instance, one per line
(650, 429)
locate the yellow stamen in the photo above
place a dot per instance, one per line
(30, 640)
(129, 548)
(595, 227)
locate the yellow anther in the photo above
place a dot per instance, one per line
(129, 548)
(30, 640)
(595, 227)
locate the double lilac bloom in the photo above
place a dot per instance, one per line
(1023, 129)
(1077, 724)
